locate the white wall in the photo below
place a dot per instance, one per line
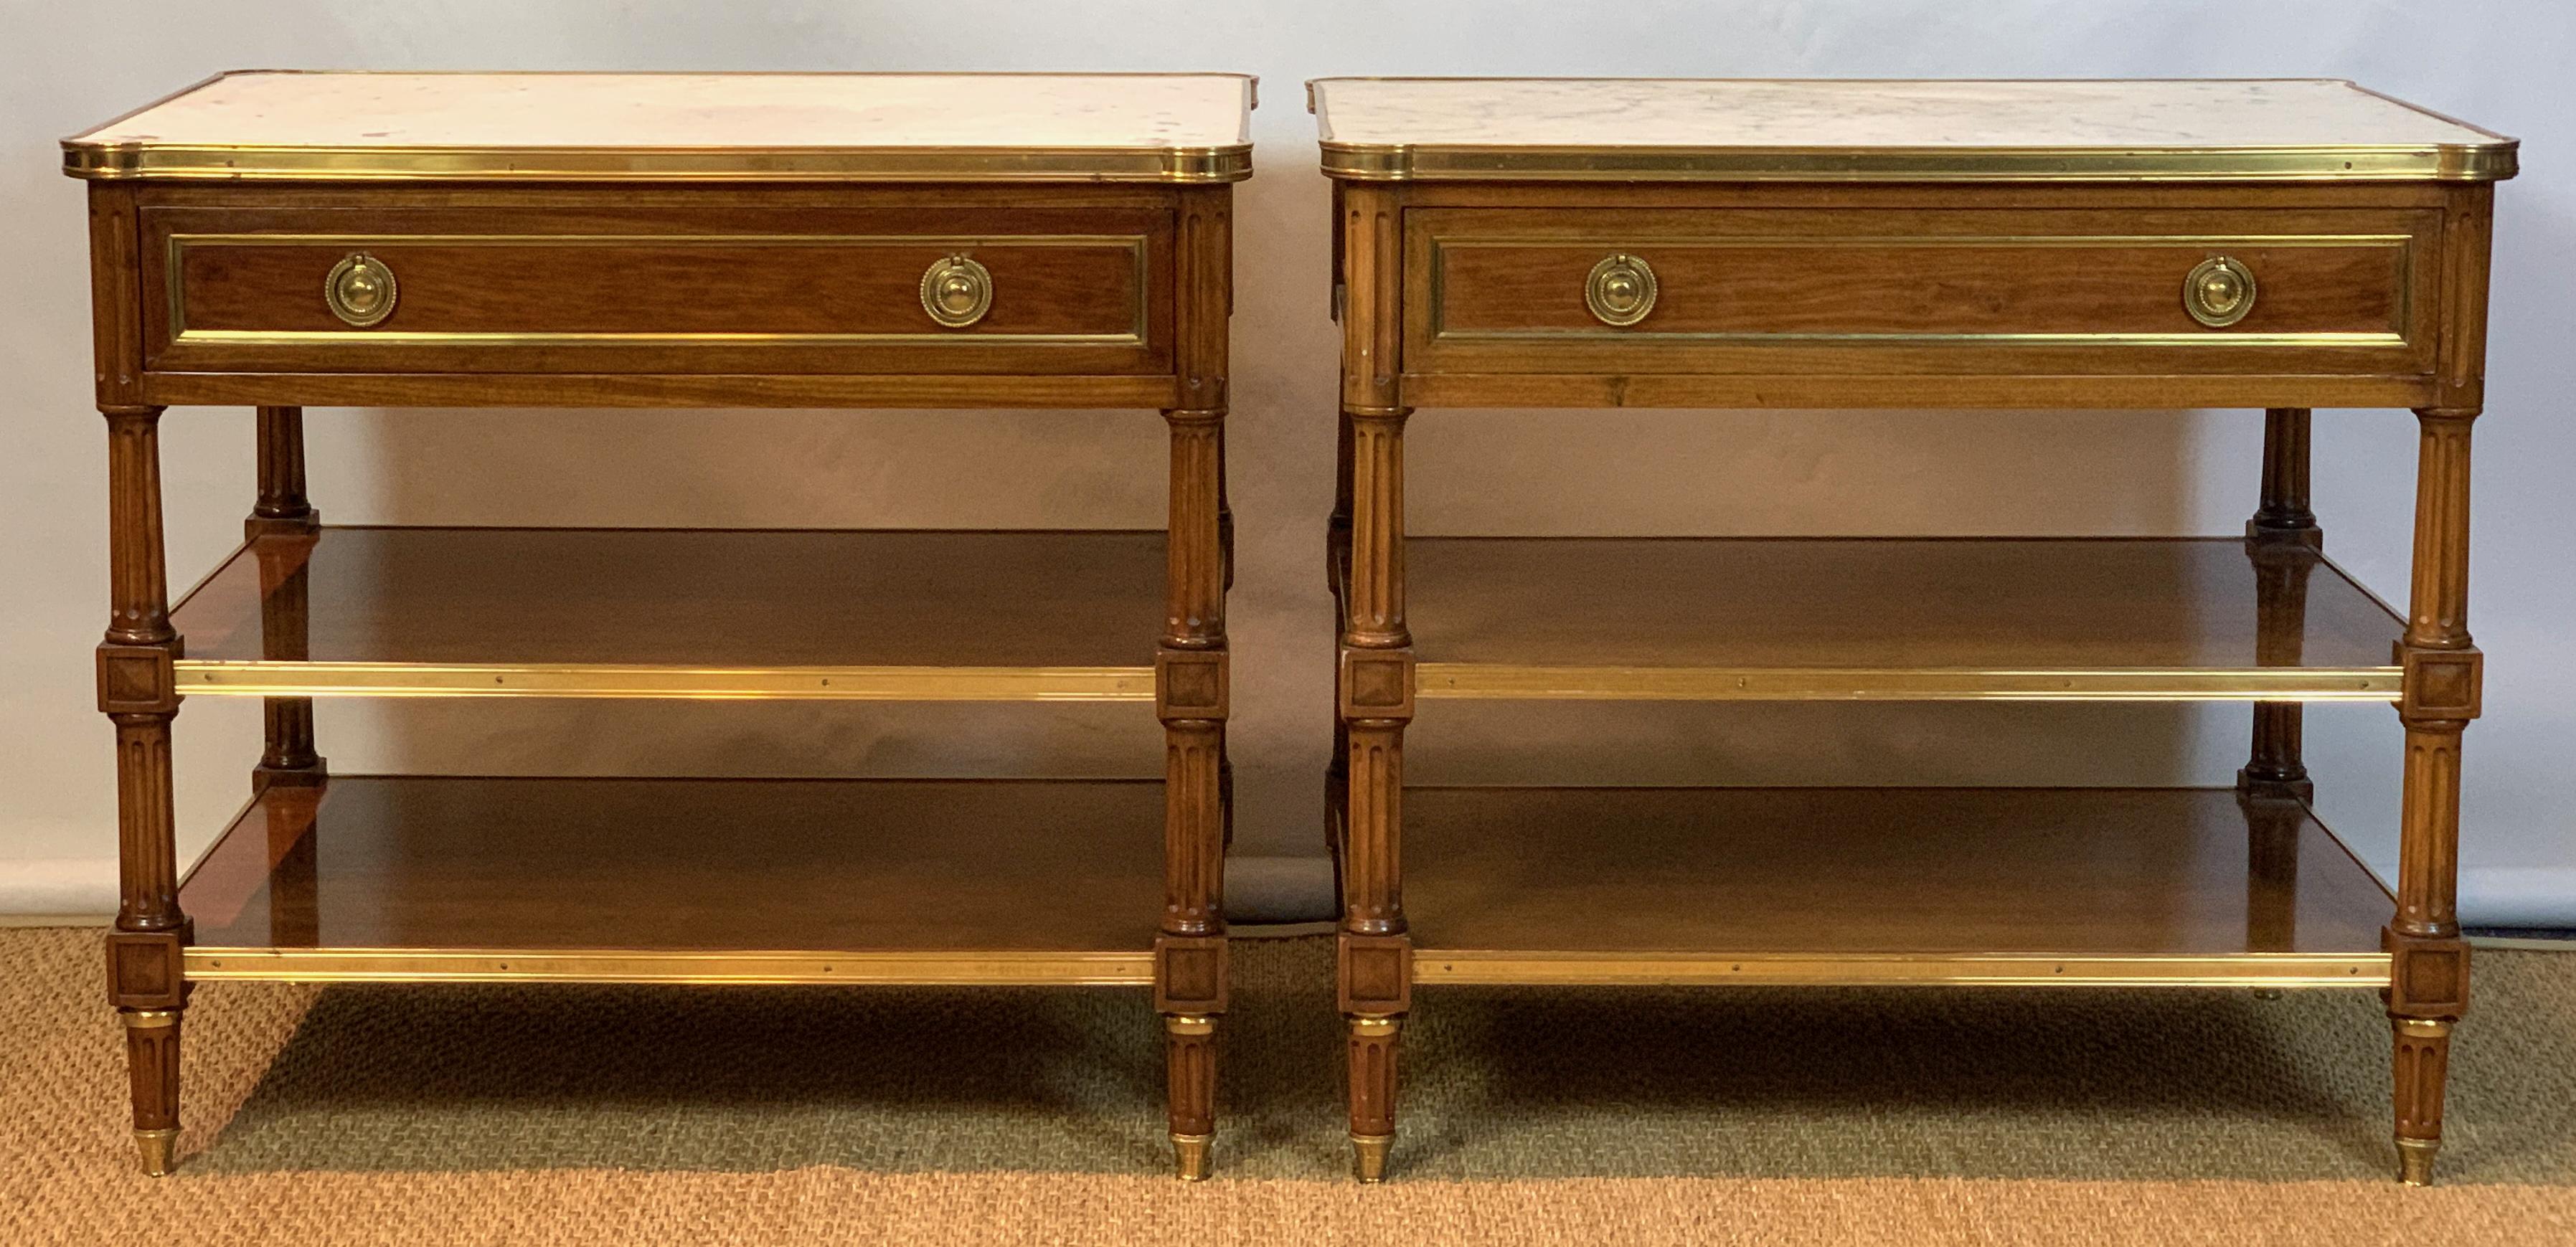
(2500, 63)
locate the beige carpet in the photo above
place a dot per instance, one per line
(796, 1116)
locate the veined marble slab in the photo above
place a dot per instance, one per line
(255, 124)
(1610, 127)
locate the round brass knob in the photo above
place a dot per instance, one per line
(360, 290)
(2219, 292)
(956, 291)
(1621, 290)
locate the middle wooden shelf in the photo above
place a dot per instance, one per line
(1912, 619)
(705, 613)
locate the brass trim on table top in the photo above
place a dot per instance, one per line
(175, 291)
(1502, 681)
(1398, 162)
(279, 678)
(1036, 968)
(246, 162)
(1614, 969)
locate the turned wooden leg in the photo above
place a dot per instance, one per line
(1190, 984)
(2282, 541)
(282, 529)
(138, 690)
(2428, 987)
(1376, 702)
(1375, 686)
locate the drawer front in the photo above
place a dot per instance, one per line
(862, 291)
(1885, 292)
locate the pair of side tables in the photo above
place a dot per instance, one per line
(280, 240)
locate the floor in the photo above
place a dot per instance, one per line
(444, 1115)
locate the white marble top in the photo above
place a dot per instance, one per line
(1925, 118)
(628, 114)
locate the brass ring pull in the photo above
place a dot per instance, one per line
(957, 291)
(1621, 290)
(2219, 292)
(360, 290)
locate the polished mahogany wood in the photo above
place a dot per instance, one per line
(706, 597)
(461, 863)
(2181, 604)
(2066, 872)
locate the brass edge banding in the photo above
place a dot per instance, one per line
(2358, 337)
(100, 162)
(207, 677)
(406, 965)
(1496, 681)
(1408, 162)
(282, 337)
(1493, 968)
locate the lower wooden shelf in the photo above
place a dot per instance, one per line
(379, 878)
(1866, 886)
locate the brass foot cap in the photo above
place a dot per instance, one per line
(158, 1148)
(1368, 1156)
(1190, 1156)
(2415, 1160)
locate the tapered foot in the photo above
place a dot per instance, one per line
(1190, 1061)
(1372, 1074)
(2415, 1160)
(2423, 1061)
(1368, 1156)
(152, 1060)
(1190, 1156)
(159, 1149)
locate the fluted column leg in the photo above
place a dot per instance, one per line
(138, 691)
(2282, 541)
(1376, 702)
(2429, 961)
(1191, 696)
(282, 528)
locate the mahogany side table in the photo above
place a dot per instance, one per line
(1603, 243)
(281, 240)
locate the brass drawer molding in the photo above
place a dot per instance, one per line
(2219, 291)
(956, 291)
(360, 290)
(1621, 290)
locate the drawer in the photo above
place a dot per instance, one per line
(1886, 291)
(586, 288)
